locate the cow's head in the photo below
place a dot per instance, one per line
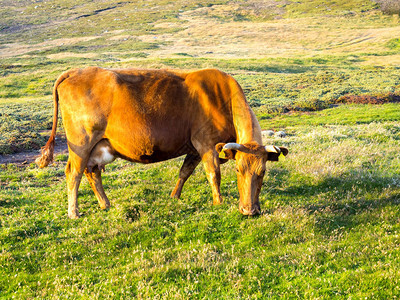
(250, 168)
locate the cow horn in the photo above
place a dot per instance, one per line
(272, 149)
(233, 146)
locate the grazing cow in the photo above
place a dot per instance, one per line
(149, 116)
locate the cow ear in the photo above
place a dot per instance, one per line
(219, 147)
(225, 153)
(273, 156)
(284, 151)
(275, 153)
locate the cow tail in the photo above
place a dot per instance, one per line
(46, 156)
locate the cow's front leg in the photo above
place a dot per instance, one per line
(211, 164)
(189, 164)
(94, 179)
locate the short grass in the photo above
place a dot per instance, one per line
(330, 221)
(329, 228)
(340, 115)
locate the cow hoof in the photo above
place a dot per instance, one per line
(217, 202)
(105, 207)
(174, 195)
(73, 216)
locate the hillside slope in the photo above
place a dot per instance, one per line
(208, 29)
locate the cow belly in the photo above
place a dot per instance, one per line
(150, 153)
(148, 144)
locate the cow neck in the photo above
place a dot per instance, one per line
(246, 124)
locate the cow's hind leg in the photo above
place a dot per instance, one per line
(73, 172)
(94, 179)
(189, 164)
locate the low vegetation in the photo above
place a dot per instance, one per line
(21, 126)
(390, 7)
(325, 72)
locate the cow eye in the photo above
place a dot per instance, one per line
(262, 173)
(237, 170)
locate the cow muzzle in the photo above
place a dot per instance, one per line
(247, 211)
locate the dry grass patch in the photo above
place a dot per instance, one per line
(120, 37)
(71, 54)
(16, 49)
(208, 35)
(387, 60)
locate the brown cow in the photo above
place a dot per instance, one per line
(149, 116)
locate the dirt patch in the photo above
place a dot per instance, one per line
(27, 157)
(120, 37)
(369, 99)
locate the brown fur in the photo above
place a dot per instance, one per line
(148, 116)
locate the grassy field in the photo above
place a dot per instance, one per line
(329, 226)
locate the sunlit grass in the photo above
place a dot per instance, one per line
(340, 115)
(330, 218)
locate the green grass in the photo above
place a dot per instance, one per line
(393, 44)
(330, 211)
(341, 115)
(21, 125)
(329, 227)
(78, 18)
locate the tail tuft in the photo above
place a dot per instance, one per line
(47, 155)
